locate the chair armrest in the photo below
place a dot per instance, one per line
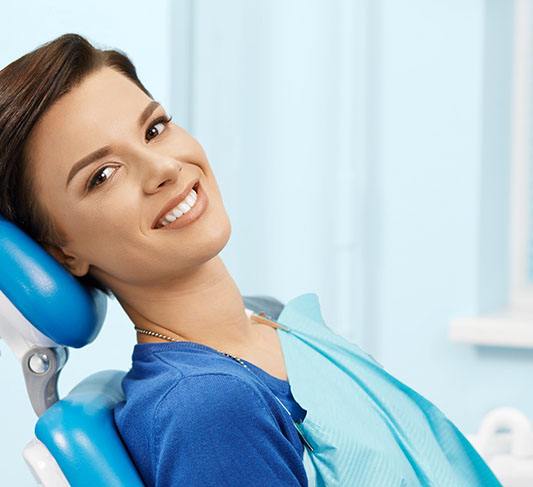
(80, 433)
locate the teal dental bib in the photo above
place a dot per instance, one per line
(367, 428)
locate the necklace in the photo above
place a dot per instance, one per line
(159, 335)
(238, 359)
(261, 317)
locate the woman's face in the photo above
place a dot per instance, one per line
(109, 226)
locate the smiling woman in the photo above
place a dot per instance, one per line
(94, 170)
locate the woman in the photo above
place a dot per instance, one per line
(93, 168)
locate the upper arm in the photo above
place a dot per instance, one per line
(216, 429)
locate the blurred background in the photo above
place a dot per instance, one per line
(374, 152)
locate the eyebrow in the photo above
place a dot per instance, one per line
(107, 149)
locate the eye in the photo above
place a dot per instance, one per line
(162, 120)
(93, 182)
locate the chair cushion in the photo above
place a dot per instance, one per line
(80, 433)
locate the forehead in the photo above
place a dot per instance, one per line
(91, 115)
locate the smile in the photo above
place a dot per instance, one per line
(189, 210)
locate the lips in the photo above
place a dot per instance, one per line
(174, 202)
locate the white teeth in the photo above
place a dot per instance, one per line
(181, 209)
(177, 212)
(184, 207)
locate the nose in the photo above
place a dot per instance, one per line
(160, 170)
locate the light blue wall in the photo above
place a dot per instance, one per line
(362, 149)
(443, 137)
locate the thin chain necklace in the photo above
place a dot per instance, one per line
(159, 335)
(261, 317)
(238, 359)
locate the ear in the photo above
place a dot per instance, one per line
(71, 263)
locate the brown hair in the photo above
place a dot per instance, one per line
(28, 87)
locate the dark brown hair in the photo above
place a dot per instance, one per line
(28, 87)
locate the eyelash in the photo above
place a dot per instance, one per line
(162, 119)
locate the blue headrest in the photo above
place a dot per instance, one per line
(45, 293)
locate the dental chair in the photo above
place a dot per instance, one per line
(43, 311)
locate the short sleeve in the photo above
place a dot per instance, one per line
(218, 430)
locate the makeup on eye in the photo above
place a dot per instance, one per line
(91, 183)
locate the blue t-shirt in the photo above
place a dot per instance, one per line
(195, 417)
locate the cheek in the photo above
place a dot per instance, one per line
(115, 208)
(100, 223)
(109, 239)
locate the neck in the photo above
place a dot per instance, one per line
(204, 307)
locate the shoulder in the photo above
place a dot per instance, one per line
(197, 396)
(217, 429)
